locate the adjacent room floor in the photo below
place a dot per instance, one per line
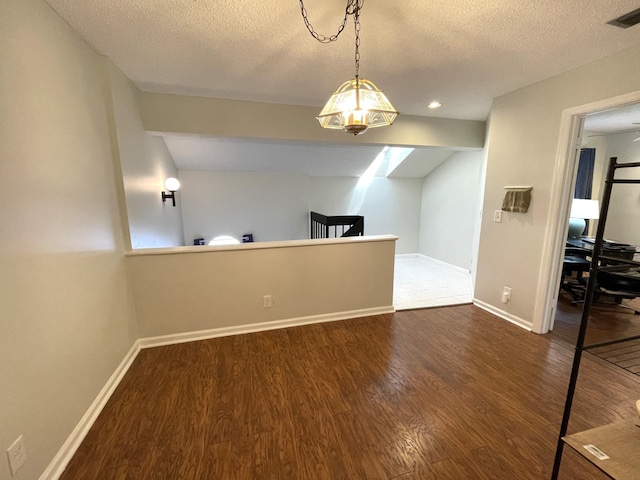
(607, 321)
(421, 282)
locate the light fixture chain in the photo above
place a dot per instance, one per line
(356, 20)
(351, 9)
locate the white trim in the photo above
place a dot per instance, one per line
(477, 227)
(553, 246)
(184, 337)
(68, 449)
(504, 315)
(407, 255)
(260, 245)
(445, 264)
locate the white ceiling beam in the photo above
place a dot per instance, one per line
(166, 113)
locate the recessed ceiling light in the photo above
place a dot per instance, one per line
(434, 104)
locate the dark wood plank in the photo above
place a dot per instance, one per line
(439, 393)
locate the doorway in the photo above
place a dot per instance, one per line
(604, 119)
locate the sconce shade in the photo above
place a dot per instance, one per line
(172, 184)
(356, 106)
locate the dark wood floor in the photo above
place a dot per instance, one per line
(447, 393)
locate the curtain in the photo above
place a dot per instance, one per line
(584, 182)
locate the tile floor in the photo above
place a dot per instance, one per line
(421, 282)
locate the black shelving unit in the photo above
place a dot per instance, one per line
(610, 264)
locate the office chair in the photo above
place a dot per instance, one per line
(574, 262)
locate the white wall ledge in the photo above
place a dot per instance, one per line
(259, 245)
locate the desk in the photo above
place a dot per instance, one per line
(609, 248)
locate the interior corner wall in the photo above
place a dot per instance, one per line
(67, 313)
(523, 148)
(389, 205)
(450, 206)
(271, 206)
(623, 220)
(145, 163)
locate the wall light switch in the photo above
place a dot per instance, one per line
(497, 216)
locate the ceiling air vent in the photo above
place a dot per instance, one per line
(627, 20)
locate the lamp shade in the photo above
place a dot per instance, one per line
(172, 184)
(356, 106)
(585, 208)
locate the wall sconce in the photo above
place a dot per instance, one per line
(171, 184)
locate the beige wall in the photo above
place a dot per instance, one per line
(451, 201)
(145, 163)
(389, 205)
(216, 288)
(271, 206)
(67, 315)
(522, 150)
(275, 206)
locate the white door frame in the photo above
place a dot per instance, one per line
(561, 191)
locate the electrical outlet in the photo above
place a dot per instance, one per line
(17, 455)
(506, 294)
(497, 216)
(267, 301)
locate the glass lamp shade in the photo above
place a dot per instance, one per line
(172, 184)
(356, 106)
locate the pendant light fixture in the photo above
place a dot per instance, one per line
(358, 104)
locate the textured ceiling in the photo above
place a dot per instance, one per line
(461, 52)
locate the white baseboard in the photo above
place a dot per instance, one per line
(173, 339)
(70, 446)
(435, 260)
(452, 267)
(68, 449)
(504, 315)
